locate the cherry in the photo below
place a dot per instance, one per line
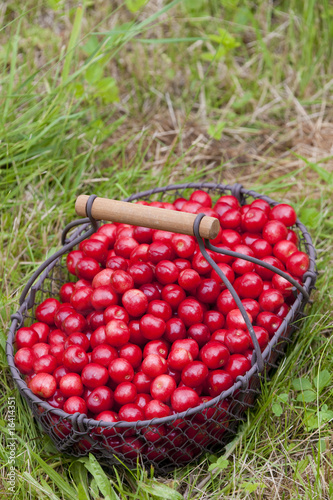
(95, 319)
(160, 250)
(87, 268)
(252, 307)
(103, 354)
(270, 321)
(109, 230)
(81, 300)
(72, 259)
(103, 297)
(110, 417)
(283, 249)
(94, 375)
(274, 231)
(250, 286)
(179, 358)
(175, 330)
(200, 264)
(219, 335)
(162, 388)
(292, 236)
(131, 413)
(71, 385)
(225, 302)
(188, 344)
(40, 349)
(262, 337)
(95, 249)
(182, 264)
(201, 197)
(117, 333)
(190, 312)
(151, 291)
(136, 336)
(75, 358)
(229, 200)
(98, 337)
(120, 370)
(283, 213)
(173, 295)
(214, 355)
(200, 333)
(100, 399)
(135, 302)
(154, 433)
(184, 398)
(115, 312)
(45, 364)
(230, 219)
(142, 382)
(160, 309)
(78, 338)
(57, 400)
(75, 404)
(160, 235)
(183, 245)
(46, 310)
(57, 350)
(43, 385)
(143, 234)
(132, 353)
(154, 365)
(74, 322)
(266, 274)
(237, 365)
(160, 347)
(230, 237)
(271, 300)
(100, 237)
(237, 341)
(179, 203)
(254, 220)
(297, 264)
(59, 372)
(142, 400)
(82, 283)
(282, 311)
(189, 279)
(115, 262)
(141, 273)
(214, 320)
(26, 337)
(156, 409)
(42, 330)
(282, 285)
(235, 320)
(261, 248)
(219, 381)
(191, 207)
(125, 393)
(62, 313)
(208, 290)
(124, 246)
(152, 327)
(194, 374)
(24, 360)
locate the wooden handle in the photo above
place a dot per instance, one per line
(144, 215)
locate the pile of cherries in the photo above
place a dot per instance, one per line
(149, 329)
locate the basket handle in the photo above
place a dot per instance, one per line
(147, 216)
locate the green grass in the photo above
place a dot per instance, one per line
(113, 98)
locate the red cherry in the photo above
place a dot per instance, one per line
(270, 321)
(201, 197)
(141, 273)
(225, 302)
(120, 370)
(98, 337)
(72, 259)
(66, 291)
(131, 413)
(292, 236)
(162, 387)
(57, 351)
(298, 263)
(200, 333)
(95, 319)
(108, 230)
(254, 220)
(132, 353)
(188, 344)
(191, 207)
(87, 268)
(94, 375)
(282, 285)
(250, 286)
(237, 365)
(136, 336)
(42, 330)
(95, 249)
(219, 335)
(142, 400)
(81, 300)
(284, 249)
(174, 330)
(110, 417)
(100, 399)
(115, 312)
(62, 313)
(103, 354)
(26, 337)
(74, 322)
(59, 373)
(160, 309)
(103, 297)
(143, 234)
(46, 310)
(208, 290)
(24, 360)
(121, 281)
(78, 338)
(179, 358)
(160, 235)
(151, 291)
(184, 398)
(125, 393)
(159, 250)
(115, 262)
(271, 300)
(57, 400)
(75, 404)
(43, 385)
(237, 341)
(117, 333)
(124, 246)
(173, 295)
(154, 365)
(179, 203)
(274, 231)
(135, 302)
(142, 382)
(214, 355)
(189, 279)
(261, 248)
(235, 320)
(183, 245)
(45, 364)
(266, 274)
(40, 349)
(194, 374)
(219, 381)
(200, 264)
(156, 409)
(252, 307)
(190, 312)
(182, 264)
(231, 219)
(75, 358)
(152, 327)
(160, 347)
(283, 213)
(166, 272)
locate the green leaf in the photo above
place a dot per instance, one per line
(107, 90)
(283, 397)
(94, 72)
(242, 101)
(135, 5)
(307, 396)
(322, 380)
(215, 131)
(160, 490)
(221, 463)
(250, 487)
(102, 481)
(91, 46)
(316, 420)
(301, 384)
(309, 216)
(277, 409)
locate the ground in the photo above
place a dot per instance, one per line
(115, 97)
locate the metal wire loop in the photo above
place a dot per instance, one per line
(89, 205)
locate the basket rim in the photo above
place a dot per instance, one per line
(81, 420)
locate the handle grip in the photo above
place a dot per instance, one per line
(147, 216)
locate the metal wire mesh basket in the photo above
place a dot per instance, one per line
(168, 442)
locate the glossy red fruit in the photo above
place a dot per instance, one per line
(125, 393)
(282, 311)
(24, 360)
(254, 220)
(160, 250)
(124, 246)
(282, 285)
(141, 273)
(75, 358)
(237, 341)
(135, 302)
(131, 413)
(200, 333)
(103, 297)
(166, 272)
(283, 250)
(201, 197)
(225, 302)
(57, 350)
(298, 263)
(173, 294)
(143, 234)
(160, 309)
(214, 354)
(66, 291)
(81, 300)
(274, 231)
(219, 335)
(184, 398)
(175, 330)
(109, 230)
(154, 365)
(151, 291)
(190, 312)
(292, 236)
(142, 382)
(266, 274)
(261, 248)
(270, 321)
(62, 313)
(100, 237)
(179, 358)
(98, 337)
(183, 245)
(101, 399)
(74, 322)
(94, 375)
(194, 374)
(237, 365)
(235, 320)
(42, 330)
(78, 338)
(182, 264)
(46, 310)
(152, 327)
(252, 307)
(43, 385)
(142, 400)
(87, 268)
(136, 336)
(231, 219)
(200, 264)
(57, 400)
(120, 370)
(95, 319)
(262, 337)
(26, 337)
(219, 381)
(271, 300)
(103, 354)
(117, 333)
(40, 349)
(283, 213)
(189, 279)
(115, 312)
(95, 249)
(45, 364)
(162, 387)
(250, 286)
(208, 290)
(154, 434)
(115, 262)
(159, 347)
(59, 372)
(72, 259)
(102, 278)
(188, 344)
(214, 320)
(156, 409)
(110, 417)
(132, 353)
(75, 404)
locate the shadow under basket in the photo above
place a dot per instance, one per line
(168, 442)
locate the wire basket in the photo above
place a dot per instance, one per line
(181, 438)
